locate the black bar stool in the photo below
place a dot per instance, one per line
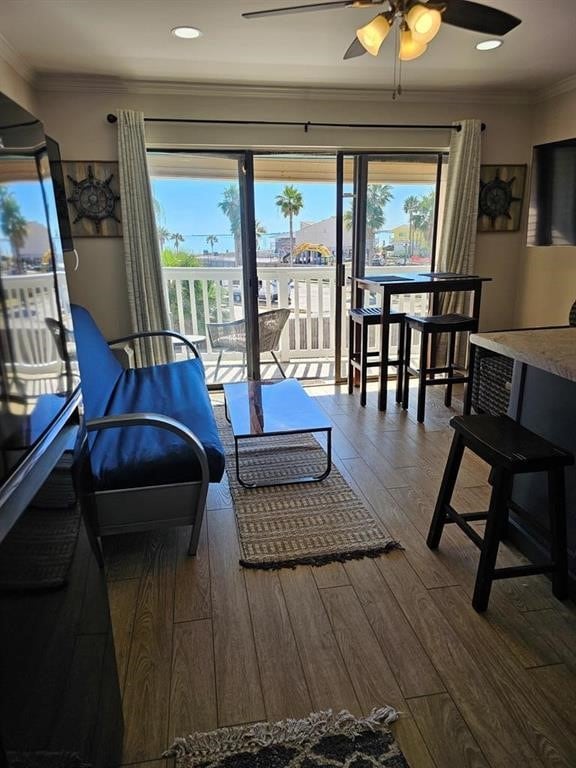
(510, 449)
(455, 374)
(361, 359)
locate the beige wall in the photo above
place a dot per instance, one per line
(78, 121)
(547, 287)
(16, 87)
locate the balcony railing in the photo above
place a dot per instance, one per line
(200, 295)
(29, 300)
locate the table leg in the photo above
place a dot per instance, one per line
(301, 479)
(470, 382)
(384, 346)
(472, 350)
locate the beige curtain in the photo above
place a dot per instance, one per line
(141, 248)
(458, 241)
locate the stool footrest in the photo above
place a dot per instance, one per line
(523, 570)
(458, 378)
(474, 515)
(447, 380)
(453, 517)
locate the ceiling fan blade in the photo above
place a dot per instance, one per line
(299, 9)
(479, 18)
(355, 49)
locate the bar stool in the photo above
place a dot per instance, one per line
(432, 326)
(510, 449)
(361, 359)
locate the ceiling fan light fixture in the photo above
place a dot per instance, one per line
(373, 34)
(424, 23)
(410, 48)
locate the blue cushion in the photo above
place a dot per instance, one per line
(140, 456)
(99, 369)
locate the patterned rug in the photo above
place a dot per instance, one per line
(299, 523)
(323, 740)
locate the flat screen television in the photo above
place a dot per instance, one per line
(552, 217)
(38, 372)
(59, 694)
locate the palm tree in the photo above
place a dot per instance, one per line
(176, 238)
(260, 231)
(163, 236)
(159, 214)
(13, 224)
(230, 207)
(290, 203)
(423, 218)
(411, 206)
(378, 197)
(211, 240)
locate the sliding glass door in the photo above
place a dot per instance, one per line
(257, 249)
(204, 212)
(296, 233)
(392, 214)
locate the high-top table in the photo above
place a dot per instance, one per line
(425, 282)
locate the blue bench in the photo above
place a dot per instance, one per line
(153, 444)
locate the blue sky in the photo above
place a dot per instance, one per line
(190, 207)
(30, 199)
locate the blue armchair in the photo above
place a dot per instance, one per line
(153, 444)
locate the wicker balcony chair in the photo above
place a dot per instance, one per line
(231, 337)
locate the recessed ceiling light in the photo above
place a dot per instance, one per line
(187, 33)
(488, 45)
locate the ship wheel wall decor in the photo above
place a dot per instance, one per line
(500, 197)
(93, 198)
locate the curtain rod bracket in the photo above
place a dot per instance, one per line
(307, 126)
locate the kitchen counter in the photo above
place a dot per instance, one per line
(549, 349)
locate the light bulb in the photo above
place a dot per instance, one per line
(424, 22)
(409, 48)
(373, 34)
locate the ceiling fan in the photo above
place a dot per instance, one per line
(418, 22)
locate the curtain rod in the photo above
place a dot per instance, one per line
(306, 125)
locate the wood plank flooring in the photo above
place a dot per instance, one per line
(203, 643)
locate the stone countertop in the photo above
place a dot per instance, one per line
(550, 349)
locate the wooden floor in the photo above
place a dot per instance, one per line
(202, 643)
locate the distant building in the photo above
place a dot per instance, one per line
(35, 245)
(323, 232)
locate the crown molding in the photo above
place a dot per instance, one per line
(116, 85)
(10, 55)
(563, 86)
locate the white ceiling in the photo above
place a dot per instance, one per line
(131, 39)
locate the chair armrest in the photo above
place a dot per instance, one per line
(148, 334)
(155, 420)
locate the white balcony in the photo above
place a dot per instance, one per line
(197, 295)
(200, 295)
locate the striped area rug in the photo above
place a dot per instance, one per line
(299, 523)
